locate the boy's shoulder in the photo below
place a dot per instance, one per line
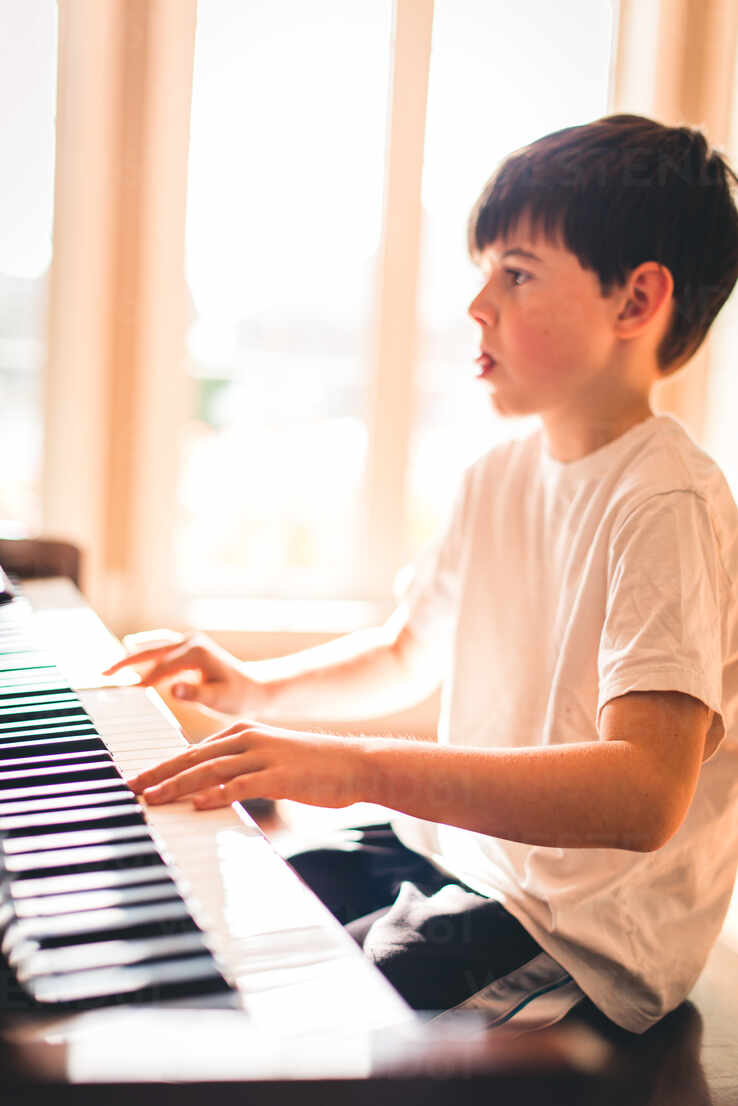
(654, 458)
(665, 459)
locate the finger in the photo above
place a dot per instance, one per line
(181, 660)
(244, 727)
(140, 657)
(206, 693)
(196, 754)
(252, 785)
(199, 778)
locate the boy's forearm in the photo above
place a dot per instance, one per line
(588, 795)
(357, 676)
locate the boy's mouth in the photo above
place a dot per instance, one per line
(486, 364)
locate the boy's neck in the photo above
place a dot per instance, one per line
(572, 435)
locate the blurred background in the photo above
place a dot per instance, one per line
(235, 364)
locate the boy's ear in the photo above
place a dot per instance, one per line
(645, 297)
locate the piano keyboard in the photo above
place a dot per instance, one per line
(91, 912)
(292, 967)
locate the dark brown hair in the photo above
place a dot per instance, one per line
(621, 191)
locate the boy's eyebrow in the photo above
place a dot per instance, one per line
(521, 253)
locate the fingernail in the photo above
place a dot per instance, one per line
(154, 794)
(179, 691)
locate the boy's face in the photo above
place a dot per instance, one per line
(547, 339)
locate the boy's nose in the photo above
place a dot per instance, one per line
(481, 309)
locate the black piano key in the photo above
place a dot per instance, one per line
(45, 776)
(119, 794)
(70, 717)
(51, 746)
(68, 787)
(19, 691)
(28, 757)
(72, 839)
(156, 982)
(28, 768)
(92, 858)
(15, 825)
(40, 731)
(28, 714)
(100, 898)
(83, 927)
(56, 906)
(93, 880)
(37, 697)
(110, 954)
(57, 760)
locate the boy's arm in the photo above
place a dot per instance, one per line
(630, 790)
(365, 674)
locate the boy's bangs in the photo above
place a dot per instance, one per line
(510, 198)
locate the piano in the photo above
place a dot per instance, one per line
(161, 945)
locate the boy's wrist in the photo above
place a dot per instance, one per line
(384, 769)
(259, 691)
(362, 768)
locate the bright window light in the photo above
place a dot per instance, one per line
(28, 95)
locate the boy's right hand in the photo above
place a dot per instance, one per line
(221, 683)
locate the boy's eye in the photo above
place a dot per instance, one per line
(516, 276)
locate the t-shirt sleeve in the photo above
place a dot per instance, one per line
(663, 624)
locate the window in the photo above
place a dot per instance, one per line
(284, 221)
(284, 213)
(28, 83)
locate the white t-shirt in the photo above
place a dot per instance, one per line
(556, 587)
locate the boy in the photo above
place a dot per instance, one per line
(573, 830)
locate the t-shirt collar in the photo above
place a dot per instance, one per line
(599, 460)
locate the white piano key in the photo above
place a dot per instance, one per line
(92, 764)
(54, 905)
(120, 794)
(18, 793)
(122, 981)
(50, 759)
(72, 925)
(52, 886)
(71, 839)
(107, 954)
(90, 854)
(72, 817)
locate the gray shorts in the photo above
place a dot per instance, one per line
(442, 945)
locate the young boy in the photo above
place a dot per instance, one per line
(573, 830)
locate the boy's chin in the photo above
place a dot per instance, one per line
(507, 409)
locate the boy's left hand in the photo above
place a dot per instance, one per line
(250, 760)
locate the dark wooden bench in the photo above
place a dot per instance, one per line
(35, 558)
(690, 1058)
